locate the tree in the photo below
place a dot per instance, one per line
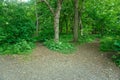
(37, 19)
(76, 21)
(56, 14)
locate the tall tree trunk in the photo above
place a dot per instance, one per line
(37, 20)
(76, 21)
(56, 26)
(56, 20)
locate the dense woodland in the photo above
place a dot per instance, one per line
(59, 24)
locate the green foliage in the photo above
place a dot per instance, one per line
(46, 34)
(17, 48)
(66, 38)
(86, 39)
(102, 16)
(82, 39)
(116, 58)
(117, 45)
(112, 44)
(107, 43)
(46, 29)
(67, 16)
(59, 46)
(16, 27)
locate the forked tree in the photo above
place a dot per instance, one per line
(56, 14)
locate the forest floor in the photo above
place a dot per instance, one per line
(87, 63)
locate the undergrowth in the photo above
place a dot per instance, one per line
(22, 47)
(60, 46)
(112, 43)
(81, 39)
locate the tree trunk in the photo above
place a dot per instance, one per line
(81, 26)
(37, 20)
(76, 21)
(56, 28)
(56, 21)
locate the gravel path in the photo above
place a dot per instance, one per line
(86, 64)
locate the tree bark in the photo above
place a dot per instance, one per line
(56, 20)
(37, 20)
(76, 22)
(80, 24)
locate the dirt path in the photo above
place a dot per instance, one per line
(43, 64)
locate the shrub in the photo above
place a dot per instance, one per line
(116, 45)
(116, 58)
(17, 48)
(112, 44)
(107, 43)
(59, 46)
(16, 28)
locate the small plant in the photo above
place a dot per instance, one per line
(116, 58)
(59, 46)
(117, 45)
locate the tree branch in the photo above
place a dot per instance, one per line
(49, 6)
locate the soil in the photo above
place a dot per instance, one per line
(87, 63)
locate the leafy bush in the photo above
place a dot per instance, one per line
(112, 44)
(116, 58)
(16, 28)
(59, 46)
(102, 17)
(17, 48)
(117, 45)
(107, 44)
